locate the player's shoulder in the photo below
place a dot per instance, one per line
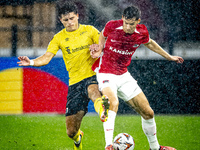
(142, 29)
(114, 23)
(87, 27)
(59, 34)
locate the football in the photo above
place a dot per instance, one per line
(123, 141)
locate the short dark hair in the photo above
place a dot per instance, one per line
(132, 12)
(66, 7)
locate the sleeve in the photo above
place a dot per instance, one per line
(107, 29)
(53, 46)
(146, 37)
(95, 35)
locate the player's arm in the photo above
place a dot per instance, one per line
(39, 61)
(96, 49)
(102, 41)
(152, 45)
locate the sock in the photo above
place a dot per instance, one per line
(109, 127)
(149, 128)
(97, 105)
(76, 138)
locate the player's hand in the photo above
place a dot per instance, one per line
(177, 59)
(95, 50)
(94, 47)
(24, 61)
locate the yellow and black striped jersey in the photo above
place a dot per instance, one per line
(75, 49)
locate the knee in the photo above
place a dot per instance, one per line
(71, 133)
(148, 115)
(93, 92)
(114, 104)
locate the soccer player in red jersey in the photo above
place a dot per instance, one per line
(117, 43)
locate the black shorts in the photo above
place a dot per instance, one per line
(77, 98)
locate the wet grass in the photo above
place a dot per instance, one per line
(44, 132)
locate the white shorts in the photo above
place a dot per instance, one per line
(124, 86)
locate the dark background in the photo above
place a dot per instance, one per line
(181, 17)
(170, 88)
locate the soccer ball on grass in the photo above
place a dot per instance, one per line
(123, 141)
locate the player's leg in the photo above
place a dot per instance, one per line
(73, 123)
(141, 105)
(131, 93)
(110, 123)
(114, 102)
(101, 103)
(108, 87)
(76, 108)
(93, 92)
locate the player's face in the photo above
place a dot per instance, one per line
(70, 21)
(129, 25)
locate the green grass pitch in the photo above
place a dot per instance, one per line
(47, 132)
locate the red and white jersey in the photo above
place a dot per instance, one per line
(119, 47)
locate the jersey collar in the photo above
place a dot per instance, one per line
(136, 31)
(121, 28)
(75, 31)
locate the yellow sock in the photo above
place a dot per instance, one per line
(76, 138)
(97, 105)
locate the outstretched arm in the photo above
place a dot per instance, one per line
(152, 45)
(96, 49)
(39, 61)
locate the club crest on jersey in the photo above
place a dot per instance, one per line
(105, 81)
(82, 32)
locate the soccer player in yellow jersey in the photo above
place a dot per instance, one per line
(74, 41)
